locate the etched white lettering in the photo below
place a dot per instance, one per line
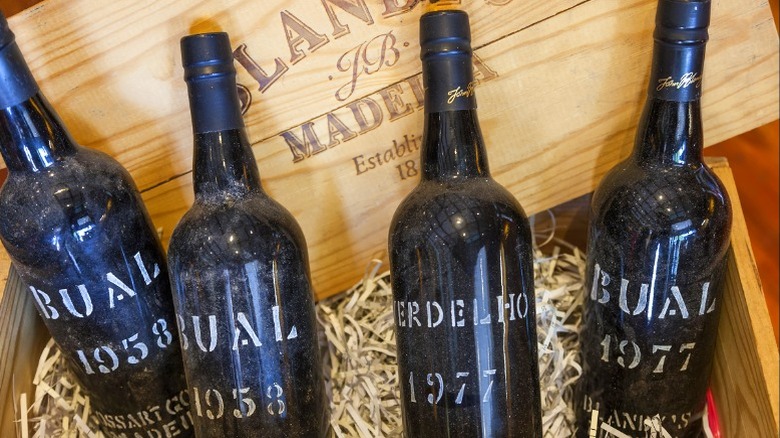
(85, 298)
(440, 380)
(705, 288)
(121, 285)
(182, 332)
(522, 306)
(641, 304)
(212, 333)
(411, 388)
(412, 312)
(440, 314)
(144, 272)
(488, 374)
(140, 346)
(680, 304)
(605, 280)
(683, 348)
(43, 300)
(164, 337)
(83, 358)
(458, 320)
(112, 357)
(247, 405)
(459, 397)
(503, 307)
(666, 354)
(712, 306)
(276, 399)
(485, 320)
(209, 397)
(277, 323)
(243, 322)
(637, 355)
(671, 302)
(659, 368)
(605, 344)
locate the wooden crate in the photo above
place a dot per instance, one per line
(744, 380)
(563, 83)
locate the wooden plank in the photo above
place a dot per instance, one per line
(22, 338)
(114, 72)
(754, 158)
(563, 85)
(5, 266)
(350, 228)
(745, 377)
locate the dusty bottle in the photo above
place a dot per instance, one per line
(75, 227)
(239, 268)
(461, 268)
(658, 241)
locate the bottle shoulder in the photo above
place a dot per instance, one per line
(82, 195)
(468, 209)
(85, 168)
(476, 193)
(662, 201)
(236, 228)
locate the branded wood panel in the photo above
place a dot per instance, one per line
(333, 97)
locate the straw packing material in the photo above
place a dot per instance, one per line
(358, 345)
(59, 408)
(361, 362)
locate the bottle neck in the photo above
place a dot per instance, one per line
(452, 141)
(453, 146)
(670, 131)
(223, 162)
(32, 137)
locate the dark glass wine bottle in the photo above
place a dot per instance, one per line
(658, 241)
(76, 229)
(240, 271)
(461, 267)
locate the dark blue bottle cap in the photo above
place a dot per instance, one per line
(445, 33)
(6, 36)
(682, 21)
(16, 82)
(206, 54)
(678, 58)
(448, 76)
(211, 78)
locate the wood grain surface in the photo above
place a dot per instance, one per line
(5, 266)
(22, 338)
(563, 84)
(754, 158)
(745, 378)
